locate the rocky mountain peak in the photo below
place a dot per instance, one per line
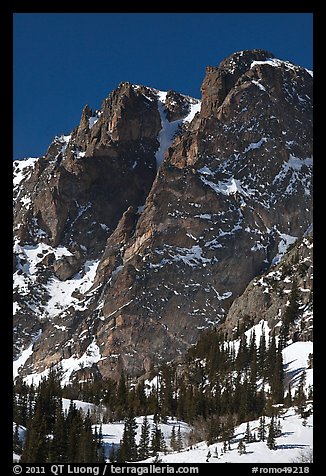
(156, 212)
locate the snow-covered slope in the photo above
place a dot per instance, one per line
(113, 432)
(295, 439)
(170, 128)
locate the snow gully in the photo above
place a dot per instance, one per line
(57, 469)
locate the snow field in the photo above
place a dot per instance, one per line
(295, 438)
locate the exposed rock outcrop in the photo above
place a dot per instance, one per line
(157, 252)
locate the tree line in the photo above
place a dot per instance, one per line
(218, 386)
(52, 435)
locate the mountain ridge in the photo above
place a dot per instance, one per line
(160, 261)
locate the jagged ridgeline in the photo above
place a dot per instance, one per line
(147, 224)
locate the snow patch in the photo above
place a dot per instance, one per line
(91, 356)
(230, 186)
(285, 242)
(61, 292)
(255, 145)
(20, 361)
(295, 360)
(21, 168)
(169, 129)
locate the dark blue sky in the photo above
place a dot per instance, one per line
(63, 61)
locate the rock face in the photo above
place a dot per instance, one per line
(150, 241)
(268, 296)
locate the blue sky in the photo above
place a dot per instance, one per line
(63, 61)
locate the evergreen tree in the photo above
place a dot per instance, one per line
(112, 454)
(58, 445)
(262, 354)
(278, 431)
(166, 392)
(143, 449)
(100, 452)
(291, 313)
(271, 435)
(157, 440)
(173, 439)
(288, 398)
(271, 358)
(74, 425)
(242, 358)
(139, 405)
(17, 444)
(122, 396)
(35, 447)
(253, 406)
(129, 447)
(22, 413)
(300, 398)
(252, 353)
(262, 429)
(214, 430)
(49, 398)
(241, 447)
(247, 437)
(277, 381)
(179, 440)
(87, 445)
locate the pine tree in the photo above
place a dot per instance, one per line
(247, 437)
(143, 449)
(22, 406)
(271, 358)
(262, 355)
(35, 447)
(214, 430)
(122, 396)
(58, 445)
(252, 387)
(112, 454)
(100, 452)
(17, 444)
(139, 406)
(300, 396)
(74, 425)
(262, 429)
(166, 392)
(157, 440)
(277, 381)
(278, 431)
(252, 352)
(288, 398)
(271, 435)
(243, 354)
(241, 447)
(179, 440)
(87, 447)
(173, 439)
(291, 313)
(129, 447)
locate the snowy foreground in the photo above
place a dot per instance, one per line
(295, 439)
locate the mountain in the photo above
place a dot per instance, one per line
(148, 223)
